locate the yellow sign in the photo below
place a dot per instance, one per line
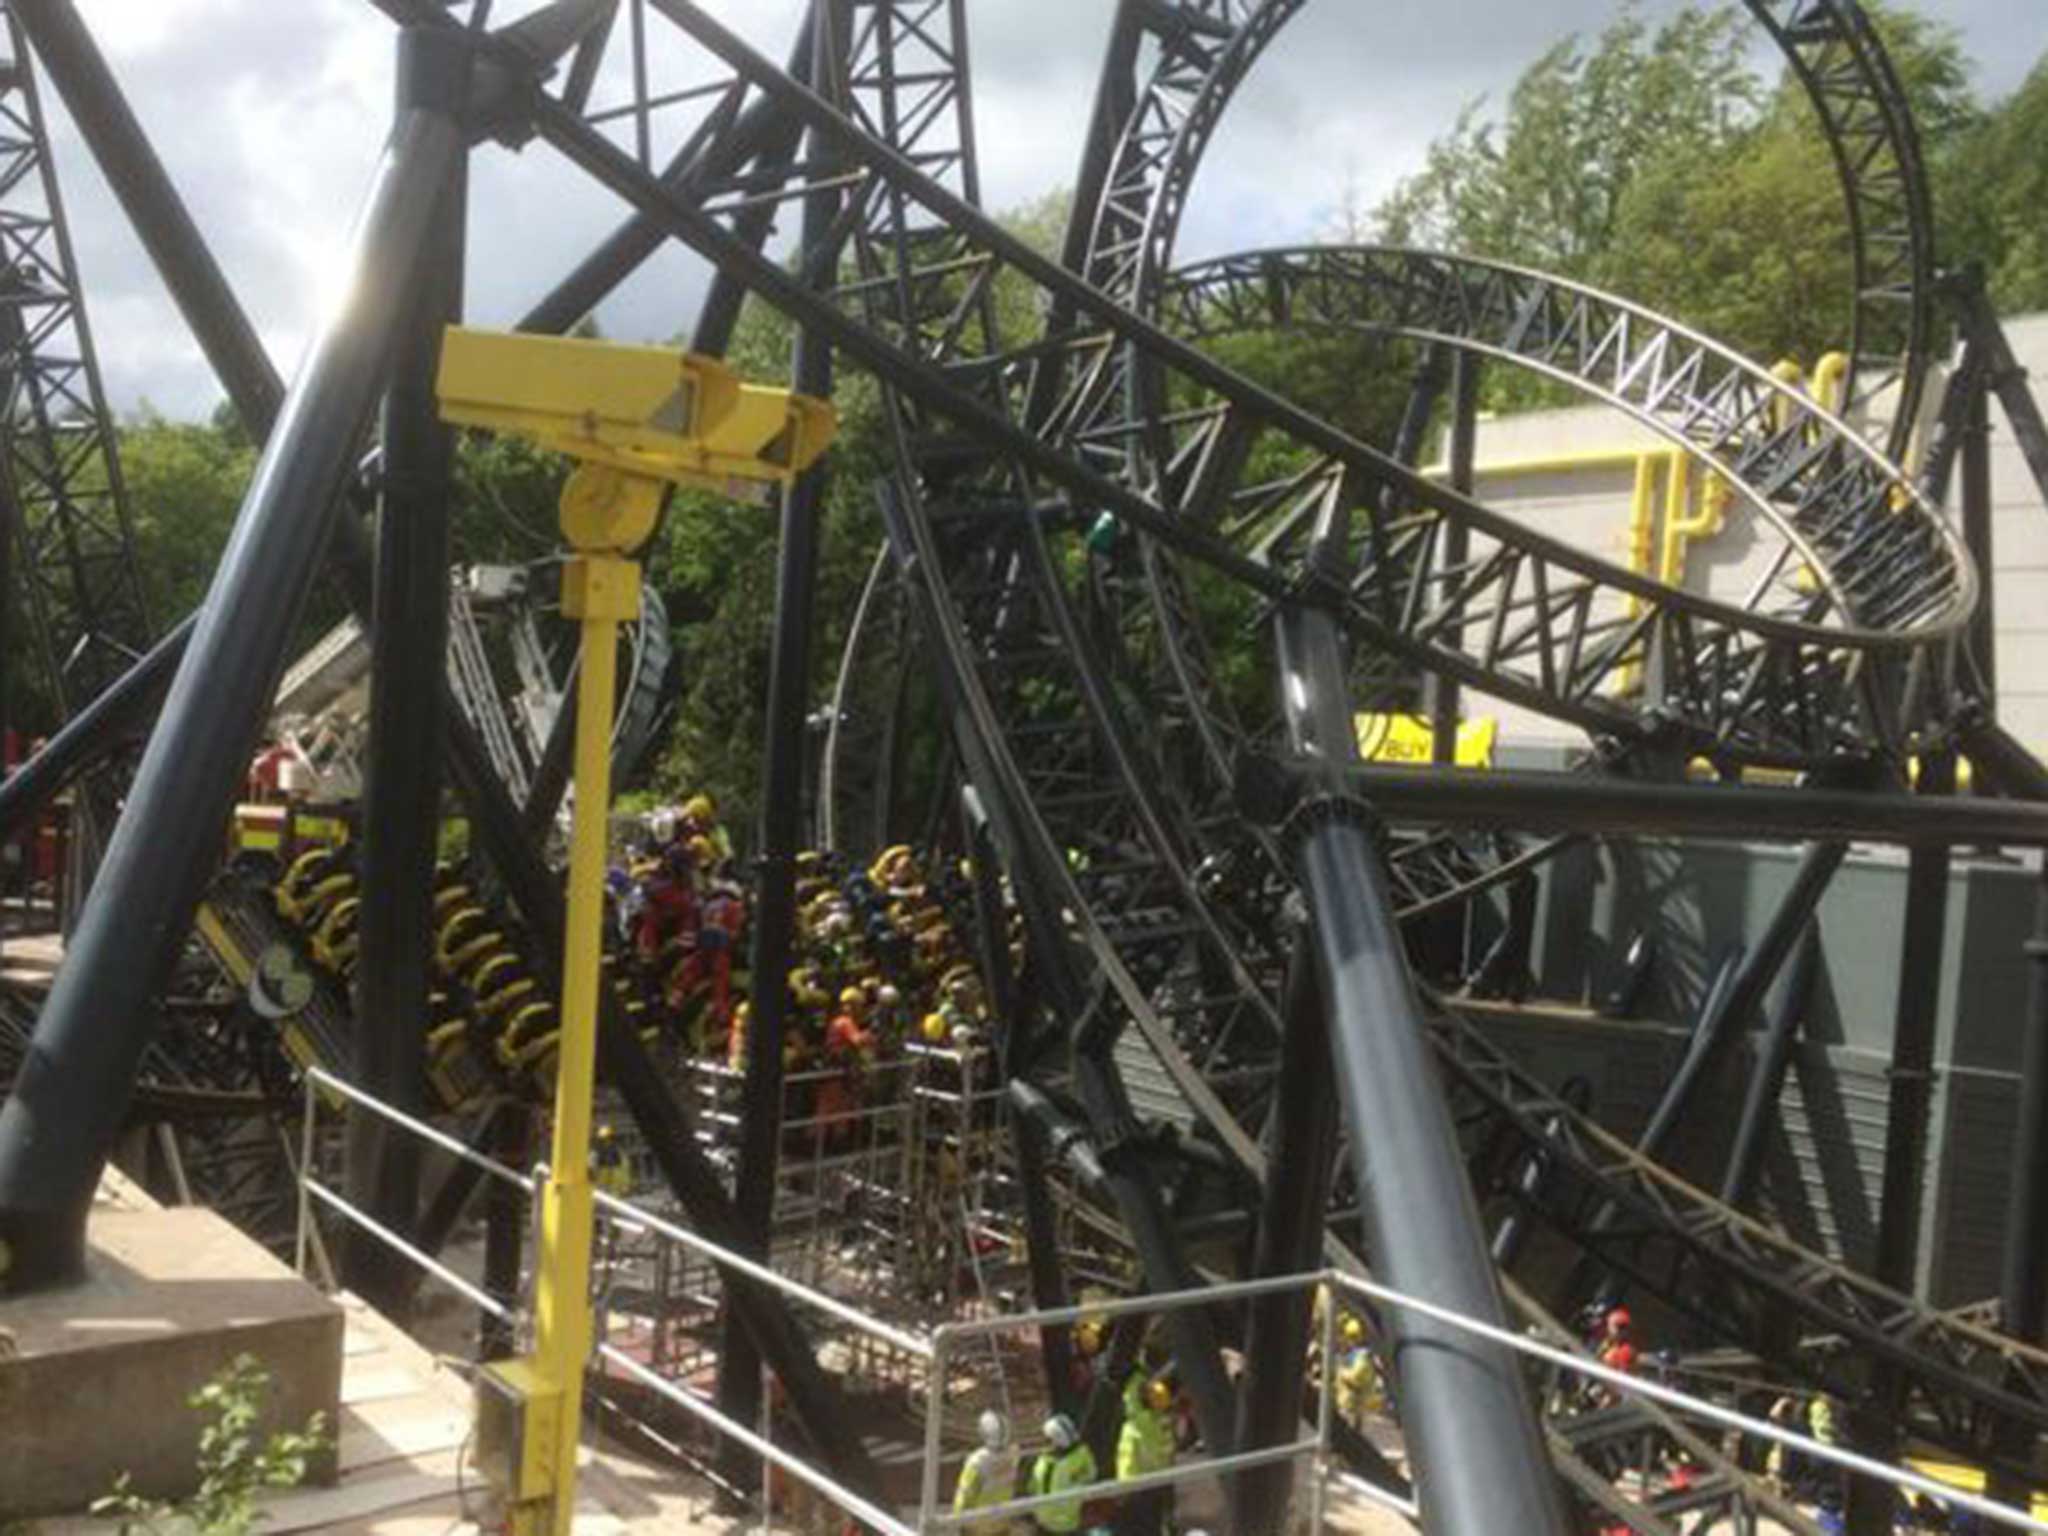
(1410, 739)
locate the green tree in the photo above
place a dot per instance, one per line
(185, 483)
(1751, 244)
(1544, 183)
(1658, 164)
(715, 561)
(1993, 194)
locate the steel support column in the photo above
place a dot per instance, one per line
(1473, 1441)
(60, 1123)
(505, 1208)
(782, 799)
(1443, 688)
(401, 817)
(1877, 1426)
(1131, 1177)
(1290, 1241)
(2026, 1262)
(1774, 1054)
(1730, 1019)
(2024, 1289)
(1015, 998)
(1472, 1435)
(1977, 534)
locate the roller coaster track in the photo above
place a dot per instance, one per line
(1066, 767)
(1807, 650)
(1205, 49)
(1863, 112)
(1023, 631)
(1737, 1278)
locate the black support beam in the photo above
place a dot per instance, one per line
(1615, 807)
(401, 810)
(1290, 1241)
(782, 788)
(60, 1123)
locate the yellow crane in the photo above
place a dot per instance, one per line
(636, 420)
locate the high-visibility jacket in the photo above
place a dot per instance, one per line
(1358, 1383)
(1144, 1444)
(1820, 1421)
(1057, 1472)
(988, 1479)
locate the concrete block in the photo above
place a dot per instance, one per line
(100, 1372)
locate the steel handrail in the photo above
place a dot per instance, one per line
(942, 1341)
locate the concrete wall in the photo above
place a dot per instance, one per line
(1590, 509)
(1824, 1163)
(1824, 1159)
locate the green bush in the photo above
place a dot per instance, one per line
(234, 1464)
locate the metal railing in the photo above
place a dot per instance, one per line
(948, 1343)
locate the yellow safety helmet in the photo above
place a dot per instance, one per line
(1353, 1331)
(933, 1028)
(852, 997)
(1158, 1395)
(700, 808)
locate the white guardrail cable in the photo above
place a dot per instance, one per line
(936, 1347)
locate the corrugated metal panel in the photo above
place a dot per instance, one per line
(1825, 1174)
(1153, 1094)
(1973, 1166)
(1589, 509)
(1626, 1064)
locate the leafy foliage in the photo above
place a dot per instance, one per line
(1653, 159)
(1658, 164)
(235, 1463)
(1546, 183)
(1995, 187)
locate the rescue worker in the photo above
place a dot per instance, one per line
(849, 1047)
(1144, 1445)
(1785, 1465)
(1064, 1465)
(699, 818)
(736, 1037)
(989, 1476)
(1823, 1424)
(668, 905)
(609, 1170)
(1617, 1349)
(1358, 1375)
(722, 918)
(1820, 1420)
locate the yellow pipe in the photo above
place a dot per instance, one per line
(1829, 375)
(1682, 524)
(1787, 372)
(1642, 531)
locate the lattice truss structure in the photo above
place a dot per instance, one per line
(73, 548)
(1069, 491)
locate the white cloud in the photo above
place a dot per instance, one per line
(270, 115)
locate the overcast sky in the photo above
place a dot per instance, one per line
(270, 114)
